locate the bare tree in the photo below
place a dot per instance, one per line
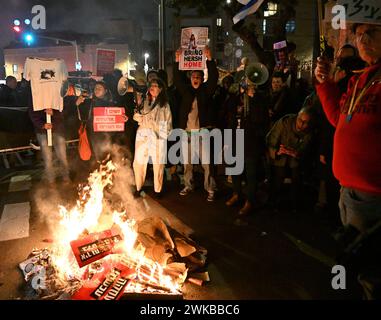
(247, 31)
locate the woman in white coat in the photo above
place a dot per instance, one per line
(155, 123)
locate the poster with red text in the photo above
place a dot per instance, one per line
(193, 42)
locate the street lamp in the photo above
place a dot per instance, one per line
(146, 56)
(78, 65)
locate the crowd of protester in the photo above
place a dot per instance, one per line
(298, 136)
(286, 132)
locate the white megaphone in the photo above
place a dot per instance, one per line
(257, 73)
(123, 86)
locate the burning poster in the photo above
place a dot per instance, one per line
(193, 42)
(109, 119)
(94, 246)
(105, 281)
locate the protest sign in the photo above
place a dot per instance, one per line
(362, 11)
(281, 54)
(105, 61)
(193, 42)
(109, 119)
(94, 246)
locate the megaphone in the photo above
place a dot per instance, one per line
(257, 73)
(123, 86)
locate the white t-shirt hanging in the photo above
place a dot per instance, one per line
(46, 77)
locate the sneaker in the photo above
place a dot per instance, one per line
(137, 194)
(210, 197)
(233, 200)
(185, 191)
(246, 209)
(157, 195)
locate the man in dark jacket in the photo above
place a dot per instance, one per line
(8, 94)
(287, 142)
(196, 97)
(58, 131)
(255, 123)
(280, 98)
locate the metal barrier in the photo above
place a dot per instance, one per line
(16, 151)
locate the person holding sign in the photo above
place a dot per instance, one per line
(100, 140)
(47, 76)
(356, 115)
(155, 123)
(196, 96)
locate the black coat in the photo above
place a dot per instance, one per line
(204, 95)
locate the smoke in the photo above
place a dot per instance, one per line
(124, 184)
(47, 201)
(117, 197)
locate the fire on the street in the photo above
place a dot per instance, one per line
(93, 258)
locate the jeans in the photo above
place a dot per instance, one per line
(359, 209)
(59, 144)
(209, 182)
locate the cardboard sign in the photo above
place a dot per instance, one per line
(281, 53)
(193, 42)
(109, 119)
(107, 284)
(105, 61)
(362, 11)
(192, 60)
(95, 246)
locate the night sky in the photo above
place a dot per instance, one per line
(78, 15)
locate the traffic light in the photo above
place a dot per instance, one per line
(23, 33)
(17, 29)
(28, 38)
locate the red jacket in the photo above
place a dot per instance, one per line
(357, 143)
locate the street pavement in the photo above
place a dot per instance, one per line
(268, 255)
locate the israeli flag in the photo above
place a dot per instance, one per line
(251, 6)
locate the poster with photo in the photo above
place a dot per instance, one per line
(193, 42)
(281, 54)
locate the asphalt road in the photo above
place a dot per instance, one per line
(283, 255)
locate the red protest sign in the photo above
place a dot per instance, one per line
(94, 246)
(105, 61)
(108, 283)
(109, 119)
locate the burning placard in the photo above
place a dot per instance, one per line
(109, 119)
(193, 42)
(108, 282)
(95, 246)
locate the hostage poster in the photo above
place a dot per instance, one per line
(193, 42)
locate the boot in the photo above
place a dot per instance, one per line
(246, 208)
(233, 200)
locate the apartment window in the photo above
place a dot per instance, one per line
(15, 69)
(291, 26)
(272, 9)
(219, 22)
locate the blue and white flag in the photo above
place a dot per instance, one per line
(251, 6)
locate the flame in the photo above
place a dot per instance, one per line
(84, 217)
